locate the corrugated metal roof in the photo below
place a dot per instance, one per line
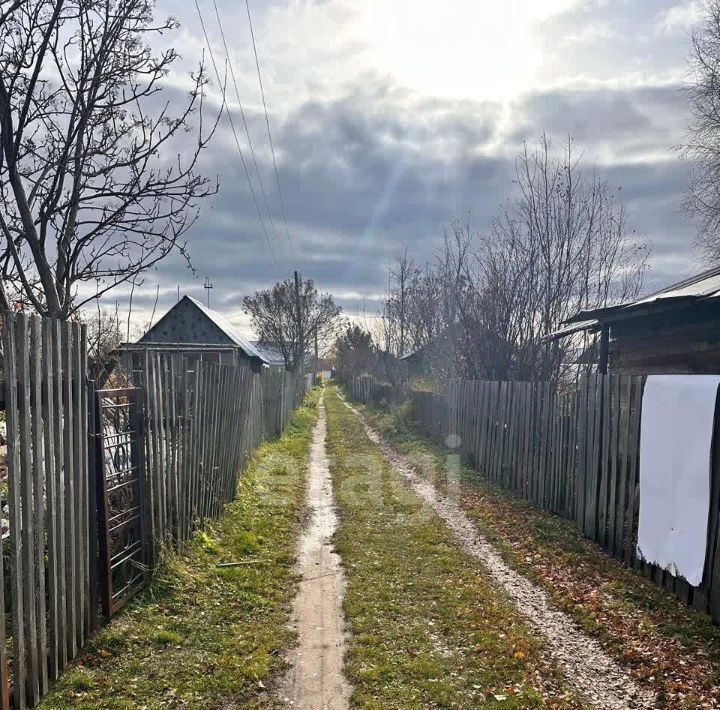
(702, 287)
(221, 322)
(270, 352)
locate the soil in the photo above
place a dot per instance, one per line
(316, 680)
(588, 669)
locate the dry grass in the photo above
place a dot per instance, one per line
(203, 636)
(669, 647)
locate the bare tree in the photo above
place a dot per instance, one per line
(562, 246)
(402, 278)
(95, 185)
(290, 316)
(702, 198)
(103, 339)
(482, 306)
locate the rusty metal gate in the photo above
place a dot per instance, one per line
(122, 535)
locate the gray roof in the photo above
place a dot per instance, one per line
(701, 288)
(270, 352)
(412, 354)
(224, 325)
(572, 328)
(220, 322)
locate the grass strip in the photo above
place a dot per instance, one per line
(427, 627)
(668, 646)
(204, 636)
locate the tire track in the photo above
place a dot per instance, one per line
(588, 669)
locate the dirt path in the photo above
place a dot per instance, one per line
(316, 680)
(588, 669)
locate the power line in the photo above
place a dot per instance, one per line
(267, 123)
(244, 120)
(234, 132)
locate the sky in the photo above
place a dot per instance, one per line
(391, 118)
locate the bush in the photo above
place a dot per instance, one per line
(382, 393)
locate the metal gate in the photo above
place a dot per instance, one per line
(122, 536)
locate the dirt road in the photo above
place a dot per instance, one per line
(316, 681)
(601, 682)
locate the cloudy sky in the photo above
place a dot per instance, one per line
(392, 117)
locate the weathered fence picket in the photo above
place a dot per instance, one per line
(190, 428)
(573, 453)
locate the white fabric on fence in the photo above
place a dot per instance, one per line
(675, 444)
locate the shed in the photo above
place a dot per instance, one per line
(414, 361)
(672, 331)
(196, 330)
(270, 352)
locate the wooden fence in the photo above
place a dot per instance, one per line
(97, 481)
(573, 453)
(369, 390)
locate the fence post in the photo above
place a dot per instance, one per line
(94, 459)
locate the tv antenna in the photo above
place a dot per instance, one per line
(207, 286)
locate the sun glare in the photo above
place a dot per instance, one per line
(458, 48)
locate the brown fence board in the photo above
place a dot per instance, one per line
(26, 533)
(34, 405)
(17, 569)
(48, 416)
(198, 424)
(575, 453)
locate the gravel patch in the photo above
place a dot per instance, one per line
(593, 674)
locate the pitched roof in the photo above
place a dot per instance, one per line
(221, 322)
(703, 287)
(226, 327)
(271, 352)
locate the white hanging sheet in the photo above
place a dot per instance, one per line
(676, 430)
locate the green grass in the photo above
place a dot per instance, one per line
(670, 647)
(427, 627)
(203, 636)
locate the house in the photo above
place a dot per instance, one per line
(437, 355)
(193, 329)
(414, 361)
(673, 331)
(270, 352)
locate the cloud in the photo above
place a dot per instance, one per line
(679, 17)
(611, 126)
(372, 162)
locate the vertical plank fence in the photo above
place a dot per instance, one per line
(98, 481)
(575, 453)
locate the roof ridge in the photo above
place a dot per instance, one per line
(224, 325)
(708, 273)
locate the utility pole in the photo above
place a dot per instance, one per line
(317, 357)
(301, 334)
(207, 286)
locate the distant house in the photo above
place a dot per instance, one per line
(192, 328)
(437, 354)
(414, 361)
(673, 331)
(270, 352)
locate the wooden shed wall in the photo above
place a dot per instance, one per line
(681, 341)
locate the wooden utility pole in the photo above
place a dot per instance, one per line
(317, 356)
(301, 334)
